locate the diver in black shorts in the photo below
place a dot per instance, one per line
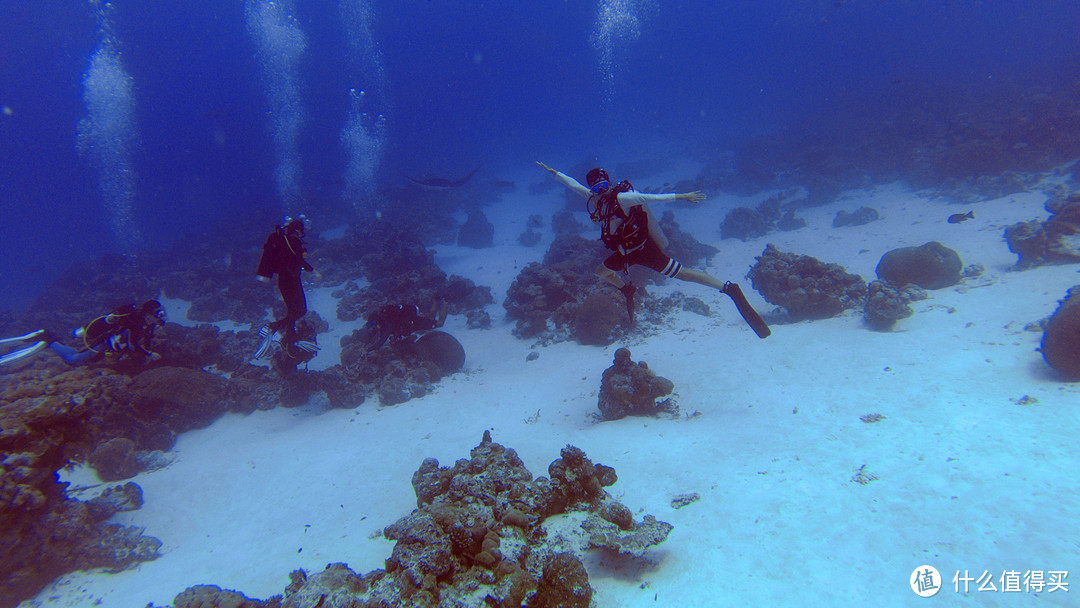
(632, 232)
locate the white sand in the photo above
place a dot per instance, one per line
(967, 478)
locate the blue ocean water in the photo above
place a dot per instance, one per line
(135, 125)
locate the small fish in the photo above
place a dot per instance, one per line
(956, 218)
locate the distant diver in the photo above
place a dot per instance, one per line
(125, 332)
(402, 320)
(632, 232)
(439, 183)
(956, 218)
(283, 255)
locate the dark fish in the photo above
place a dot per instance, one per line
(439, 183)
(956, 218)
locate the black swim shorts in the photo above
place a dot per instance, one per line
(650, 256)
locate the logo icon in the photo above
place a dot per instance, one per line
(925, 581)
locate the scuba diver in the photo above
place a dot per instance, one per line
(126, 331)
(283, 255)
(401, 320)
(631, 231)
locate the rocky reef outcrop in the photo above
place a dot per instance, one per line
(1061, 337)
(930, 266)
(52, 415)
(400, 369)
(561, 298)
(477, 232)
(46, 533)
(804, 286)
(531, 236)
(1053, 241)
(600, 319)
(682, 245)
(544, 297)
(401, 270)
(775, 212)
(121, 417)
(862, 215)
(632, 389)
(745, 223)
(392, 258)
(886, 304)
(484, 534)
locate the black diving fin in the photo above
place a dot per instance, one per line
(752, 318)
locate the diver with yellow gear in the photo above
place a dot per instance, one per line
(126, 331)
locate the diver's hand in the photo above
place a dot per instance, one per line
(694, 197)
(547, 168)
(262, 278)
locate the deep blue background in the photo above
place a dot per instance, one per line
(500, 83)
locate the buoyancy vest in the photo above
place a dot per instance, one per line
(97, 334)
(631, 231)
(283, 253)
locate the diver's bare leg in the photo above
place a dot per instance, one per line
(696, 276)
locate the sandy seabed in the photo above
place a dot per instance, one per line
(970, 469)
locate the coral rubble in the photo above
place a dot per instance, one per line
(477, 232)
(886, 304)
(544, 298)
(682, 245)
(1054, 241)
(632, 389)
(46, 533)
(862, 215)
(806, 287)
(479, 538)
(531, 237)
(562, 298)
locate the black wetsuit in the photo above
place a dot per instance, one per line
(398, 320)
(283, 255)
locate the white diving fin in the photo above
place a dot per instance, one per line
(22, 353)
(26, 338)
(270, 340)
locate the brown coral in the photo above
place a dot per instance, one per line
(631, 389)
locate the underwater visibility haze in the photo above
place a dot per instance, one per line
(128, 125)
